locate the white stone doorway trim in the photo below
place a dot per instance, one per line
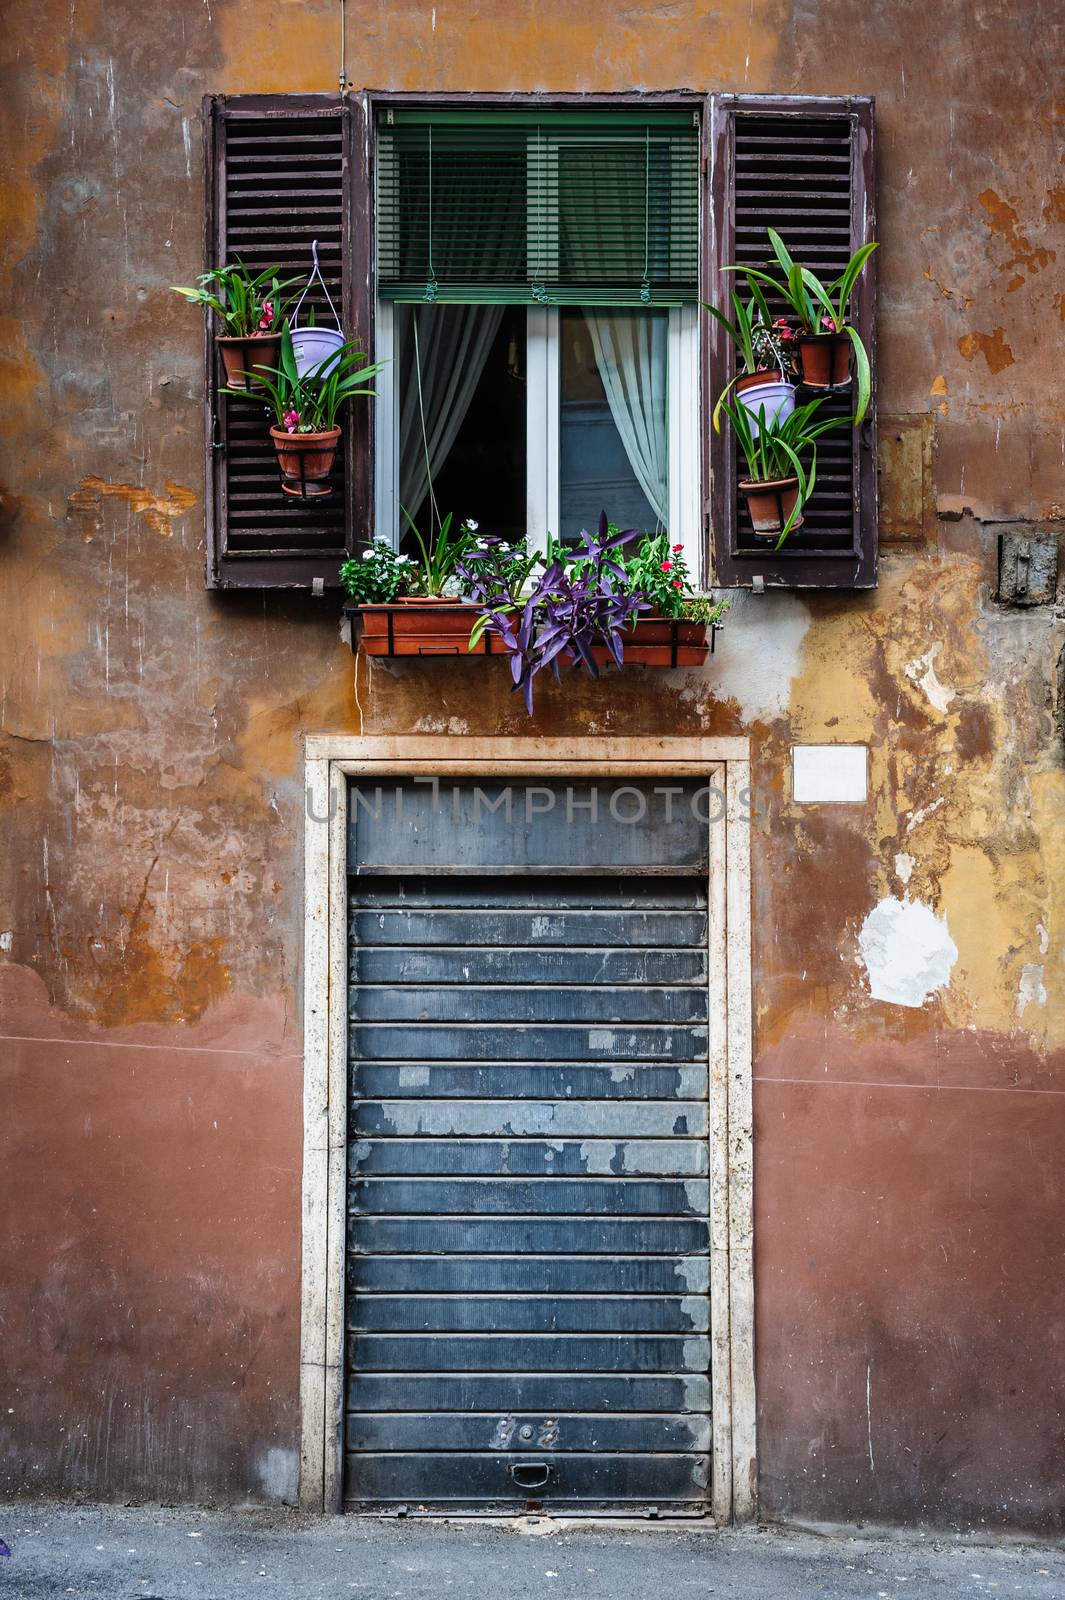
(329, 760)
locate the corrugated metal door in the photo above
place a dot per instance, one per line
(527, 1297)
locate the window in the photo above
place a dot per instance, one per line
(539, 269)
(537, 287)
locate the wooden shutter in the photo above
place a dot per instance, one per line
(805, 167)
(282, 171)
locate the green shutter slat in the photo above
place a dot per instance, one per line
(517, 207)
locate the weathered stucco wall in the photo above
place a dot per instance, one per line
(909, 1155)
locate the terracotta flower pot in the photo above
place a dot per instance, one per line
(420, 625)
(240, 357)
(306, 460)
(771, 504)
(826, 360)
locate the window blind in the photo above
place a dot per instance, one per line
(519, 207)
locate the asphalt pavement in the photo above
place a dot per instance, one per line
(153, 1553)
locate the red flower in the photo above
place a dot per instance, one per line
(677, 548)
(677, 584)
(667, 566)
(829, 324)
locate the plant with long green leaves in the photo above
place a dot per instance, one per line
(435, 573)
(761, 341)
(776, 451)
(245, 305)
(311, 402)
(820, 308)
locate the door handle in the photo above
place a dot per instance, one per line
(530, 1474)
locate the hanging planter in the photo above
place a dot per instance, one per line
(765, 391)
(250, 309)
(306, 410)
(306, 461)
(246, 360)
(772, 506)
(312, 345)
(825, 360)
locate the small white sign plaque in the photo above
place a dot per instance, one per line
(829, 773)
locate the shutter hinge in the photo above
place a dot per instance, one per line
(318, 586)
(758, 584)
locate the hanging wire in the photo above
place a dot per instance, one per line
(434, 509)
(645, 286)
(343, 46)
(432, 288)
(539, 291)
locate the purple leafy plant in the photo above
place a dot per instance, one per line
(580, 600)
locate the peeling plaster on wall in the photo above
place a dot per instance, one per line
(1031, 990)
(923, 673)
(761, 652)
(907, 951)
(904, 865)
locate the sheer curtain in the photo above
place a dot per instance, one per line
(630, 352)
(443, 350)
(603, 201)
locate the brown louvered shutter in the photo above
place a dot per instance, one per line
(281, 172)
(806, 168)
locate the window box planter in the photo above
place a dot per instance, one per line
(420, 627)
(658, 641)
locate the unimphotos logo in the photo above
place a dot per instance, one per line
(628, 805)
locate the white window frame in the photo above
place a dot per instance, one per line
(542, 431)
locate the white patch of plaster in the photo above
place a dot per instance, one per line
(764, 634)
(601, 1039)
(923, 813)
(278, 1471)
(1031, 989)
(907, 952)
(904, 865)
(1044, 939)
(7, 939)
(922, 672)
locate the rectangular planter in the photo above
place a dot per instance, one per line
(662, 642)
(420, 628)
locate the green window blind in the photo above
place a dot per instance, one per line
(515, 207)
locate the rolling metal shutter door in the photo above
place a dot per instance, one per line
(528, 1299)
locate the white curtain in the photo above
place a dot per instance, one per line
(630, 352)
(449, 354)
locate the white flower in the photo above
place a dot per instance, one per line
(403, 561)
(368, 555)
(473, 526)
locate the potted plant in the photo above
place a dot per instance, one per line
(678, 630)
(580, 601)
(417, 608)
(826, 340)
(251, 311)
(764, 351)
(779, 482)
(306, 409)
